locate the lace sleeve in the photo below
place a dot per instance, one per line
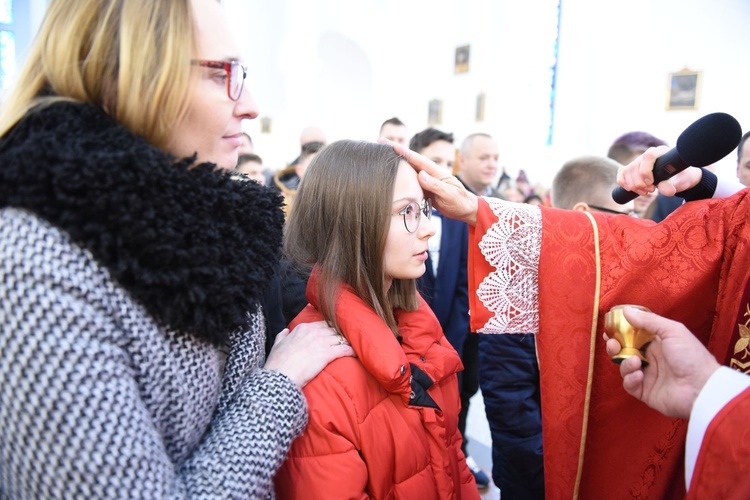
(512, 246)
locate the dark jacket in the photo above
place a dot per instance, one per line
(509, 379)
(447, 293)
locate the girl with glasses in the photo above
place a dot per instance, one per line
(131, 339)
(383, 424)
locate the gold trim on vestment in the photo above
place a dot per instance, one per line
(595, 317)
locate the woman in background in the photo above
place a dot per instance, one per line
(383, 424)
(131, 342)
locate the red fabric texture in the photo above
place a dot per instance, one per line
(479, 268)
(363, 439)
(722, 470)
(692, 267)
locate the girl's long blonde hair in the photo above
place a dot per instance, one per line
(130, 57)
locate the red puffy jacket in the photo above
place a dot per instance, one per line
(384, 424)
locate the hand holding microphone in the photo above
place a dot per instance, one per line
(706, 141)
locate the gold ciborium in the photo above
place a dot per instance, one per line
(633, 340)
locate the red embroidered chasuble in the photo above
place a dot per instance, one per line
(692, 267)
(723, 469)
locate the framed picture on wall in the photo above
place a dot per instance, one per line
(479, 115)
(462, 59)
(435, 112)
(265, 125)
(683, 91)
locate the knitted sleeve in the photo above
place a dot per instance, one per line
(76, 418)
(250, 435)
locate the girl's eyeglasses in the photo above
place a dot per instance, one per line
(412, 213)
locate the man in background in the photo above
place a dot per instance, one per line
(586, 183)
(394, 130)
(251, 165)
(477, 169)
(312, 134)
(477, 165)
(625, 149)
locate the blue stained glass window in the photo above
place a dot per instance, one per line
(7, 58)
(6, 11)
(553, 76)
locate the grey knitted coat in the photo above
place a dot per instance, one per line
(131, 342)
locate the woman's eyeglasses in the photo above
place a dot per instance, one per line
(412, 213)
(236, 74)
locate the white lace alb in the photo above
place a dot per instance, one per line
(512, 246)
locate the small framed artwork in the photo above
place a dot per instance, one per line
(435, 112)
(462, 59)
(265, 125)
(684, 90)
(479, 117)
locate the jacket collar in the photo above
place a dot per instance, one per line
(193, 245)
(386, 358)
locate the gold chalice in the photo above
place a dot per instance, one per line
(633, 340)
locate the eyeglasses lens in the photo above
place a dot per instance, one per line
(236, 80)
(413, 213)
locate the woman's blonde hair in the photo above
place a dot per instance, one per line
(340, 221)
(130, 57)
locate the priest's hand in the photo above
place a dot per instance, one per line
(638, 175)
(679, 365)
(447, 193)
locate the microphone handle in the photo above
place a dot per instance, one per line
(666, 166)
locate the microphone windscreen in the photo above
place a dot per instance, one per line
(709, 139)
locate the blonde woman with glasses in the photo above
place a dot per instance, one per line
(131, 339)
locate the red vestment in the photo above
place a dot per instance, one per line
(722, 470)
(600, 442)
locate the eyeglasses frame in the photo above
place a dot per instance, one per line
(227, 67)
(425, 208)
(607, 210)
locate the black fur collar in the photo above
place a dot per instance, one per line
(193, 245)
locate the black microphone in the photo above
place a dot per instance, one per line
(706, 141)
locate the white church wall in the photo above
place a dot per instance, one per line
(347, 66)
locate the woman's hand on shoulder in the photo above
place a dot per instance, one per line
(303, 353)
